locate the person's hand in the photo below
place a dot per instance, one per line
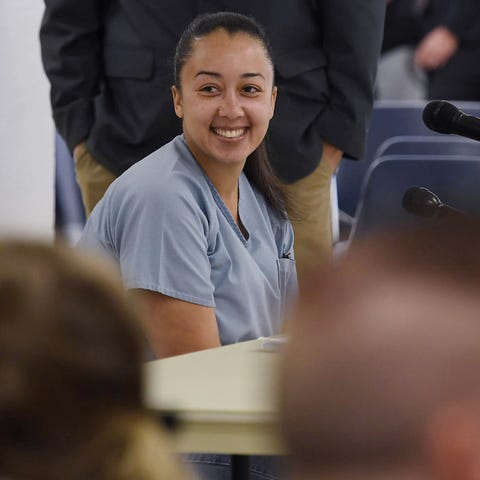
(78, 149)
(436, 48)
(332, 155)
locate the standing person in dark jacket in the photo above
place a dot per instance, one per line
(109, 65)
(446, 37)
(326, 55)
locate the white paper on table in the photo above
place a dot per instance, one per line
(275, 343)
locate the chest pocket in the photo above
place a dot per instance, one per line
(285, 267)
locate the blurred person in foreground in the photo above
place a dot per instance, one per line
(70, 373)
(382, 372)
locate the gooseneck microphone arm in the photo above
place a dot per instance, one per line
(423, 202)
(443, 117)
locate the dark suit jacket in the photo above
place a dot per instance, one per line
(110, 67)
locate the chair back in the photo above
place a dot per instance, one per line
(389, 119)
(454, 179)
(428, 145)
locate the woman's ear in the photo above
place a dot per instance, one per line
(273, 100)
(177, 101)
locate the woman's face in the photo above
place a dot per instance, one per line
(226, 98)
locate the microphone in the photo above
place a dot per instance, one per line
(424, 203)
(443, 117)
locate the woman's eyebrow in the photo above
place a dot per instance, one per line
(219, 75)
(253, 74)
(206, 72)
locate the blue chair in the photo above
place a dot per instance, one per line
(454, 179)
(389, 119)
(69, 211)
(428, 145)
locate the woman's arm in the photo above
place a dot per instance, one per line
(174, 326)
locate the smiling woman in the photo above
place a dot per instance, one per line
(226, 97)
(199, 227)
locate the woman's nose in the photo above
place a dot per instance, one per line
(231, 106)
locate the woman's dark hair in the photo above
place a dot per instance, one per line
(257, 168)
(259, 171)
(207, 23)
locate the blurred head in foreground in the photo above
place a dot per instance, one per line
(382, 375)
(70, 372)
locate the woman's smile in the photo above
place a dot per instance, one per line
(230, 133)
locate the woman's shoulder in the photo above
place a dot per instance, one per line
(165, 191)
(276, 217)
(169, 175)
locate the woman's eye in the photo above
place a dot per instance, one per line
(251, 89)
(209, 89)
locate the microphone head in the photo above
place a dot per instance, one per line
(440, 115)
(421, 201)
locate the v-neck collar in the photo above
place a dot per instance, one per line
(226, 212)
(221, 204)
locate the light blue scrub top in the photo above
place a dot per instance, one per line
(166, 226)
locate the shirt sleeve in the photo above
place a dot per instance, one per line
(160, 238)
(352, 38)
(70, 40)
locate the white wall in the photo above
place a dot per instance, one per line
(26, 128)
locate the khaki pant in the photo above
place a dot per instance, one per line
(313, 231)
(93, 178)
